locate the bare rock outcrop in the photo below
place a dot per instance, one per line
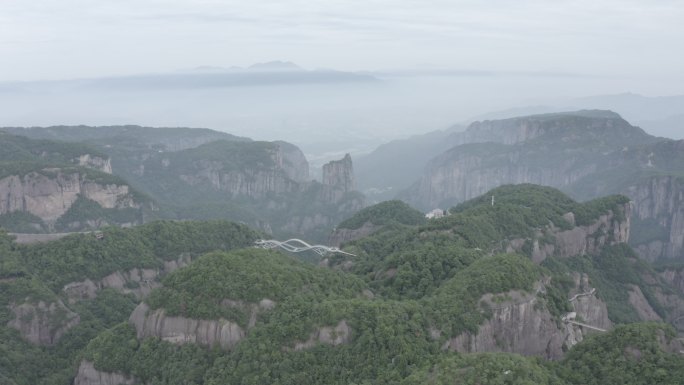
(641, 305)
(138, 282)
(607, 230)
(329, 335)
(43, 323)
(50, 193)
(340, 235)
(659, 205)
(674, 277)
(286, 172)
(293, 161)
(587, 306)
(182, 330)
(520, 325)
(88, 375)
(251, 183)
(338, 179)
(96, 162)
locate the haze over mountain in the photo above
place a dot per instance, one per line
(342, 192)
(659, 116)
(326, 112)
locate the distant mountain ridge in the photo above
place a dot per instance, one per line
(585, 153)
(206, 174)
(260, 74)
(659, 116)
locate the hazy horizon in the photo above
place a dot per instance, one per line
(406, 67)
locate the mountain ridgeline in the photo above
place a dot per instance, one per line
(171, 173)
(535, 288)
(586, 154)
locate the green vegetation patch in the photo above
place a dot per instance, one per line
(455, 306)
(22, 222)
(247, 276)
(484, 368)
(612, 273)
(629, 354)
(383, 213)
(80, 256)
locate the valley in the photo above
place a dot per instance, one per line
(137, 258)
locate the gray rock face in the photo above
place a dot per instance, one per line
(587, 305)
(580, 240)
(307, 224)
(43, 323)
(251, 183)
(329, 335)
(338, 176)
(96, 162)
(675, 278)
(659, 209)
(339, 173)
(138, 282)
(50, 194)
(288, 172)
(456, 177)
(181, 330)
(88, 375)
(340, 236)
(520, 326)
(641, 305)
(293, 162)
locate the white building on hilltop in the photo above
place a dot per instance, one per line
(434, 214)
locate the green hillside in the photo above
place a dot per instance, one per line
(381, 317)
(384, 213)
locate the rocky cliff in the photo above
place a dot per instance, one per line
(465, 172)
(95, 162)
(293, 161)
(43, 323)
(49, 193)
(328, 335)
(338, 179)
(566, 125)
(674, 277)
(224, 170)
(339, 173)
(341, 235)
(520, 325)
(609, 229)
(658, 217)
(88, 375)
(254, 184)
(138, 282)
(181, 330)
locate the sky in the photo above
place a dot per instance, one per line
(64, 39)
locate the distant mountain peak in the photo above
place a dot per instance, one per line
(275, 65)
(596, 114)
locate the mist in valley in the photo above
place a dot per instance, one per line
(331, 115)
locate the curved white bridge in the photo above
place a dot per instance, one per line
(297, 246)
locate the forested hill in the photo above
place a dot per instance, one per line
(57, 296)
(187, 173)
(418, 302)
